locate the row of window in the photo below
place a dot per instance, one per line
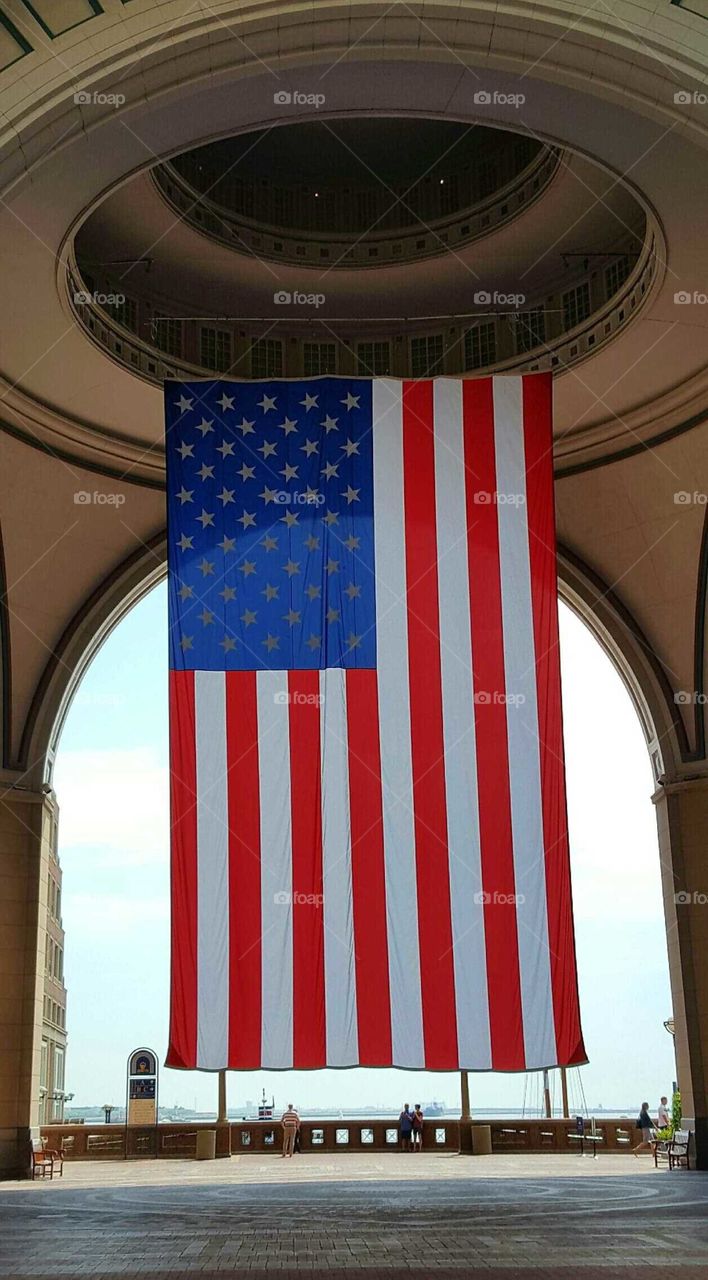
(427, 351)
(350, 208)
(51, 1071)
(54, 959)
(54, 898)
(54, 1013)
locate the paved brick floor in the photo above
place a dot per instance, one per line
(510, 1217)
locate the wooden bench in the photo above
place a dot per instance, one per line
(674, 1151)
(679, 1148)
(43, 1158)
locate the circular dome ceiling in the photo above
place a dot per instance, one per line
(401, 246)
(363, 178)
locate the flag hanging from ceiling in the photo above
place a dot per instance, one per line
(369, 844)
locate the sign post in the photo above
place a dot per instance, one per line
(141, 1106)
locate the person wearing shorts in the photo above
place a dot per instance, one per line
(645, 1126)
(405, 1126)
(417, 1128)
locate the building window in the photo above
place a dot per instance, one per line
(373, 359)
(168, 334)
(58, 1069)
(216, 349)
(427, 355)
(576, 306)
(126, 313)
(616, 274)
(319, 358)
(266, 358)
(481, 346)
(43, 1065)
(529, 329)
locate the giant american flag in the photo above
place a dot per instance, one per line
(369, 846)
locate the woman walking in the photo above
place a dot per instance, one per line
(645, 1126)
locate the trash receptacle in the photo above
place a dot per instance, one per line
(206, 1144)
(481, 1140)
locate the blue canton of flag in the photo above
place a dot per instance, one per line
(270, 525)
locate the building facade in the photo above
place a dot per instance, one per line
(52, 1076)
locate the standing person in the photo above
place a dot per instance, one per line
(405, 1125)
(645, 1124)
(417, 1127)
(663, 1119)
(291, 1123)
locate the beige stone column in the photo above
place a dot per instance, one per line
(26, 822)
(682, 816)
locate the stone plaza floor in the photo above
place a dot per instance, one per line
(505, 1216)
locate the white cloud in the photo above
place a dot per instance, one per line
(115, 804)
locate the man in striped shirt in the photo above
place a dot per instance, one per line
(291, 1123)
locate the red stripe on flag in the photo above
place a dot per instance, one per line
(500, 925)
(309, 1040)
(427, 739)
(244, 871)
(182, 1050)
(373, 999)
(540, 506)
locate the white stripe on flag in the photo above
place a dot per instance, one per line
(340, 981)
(466, 904)
(213, 870)
(276, 869)
(395, 727)
(522, 726)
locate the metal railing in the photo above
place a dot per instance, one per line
(263, 1137)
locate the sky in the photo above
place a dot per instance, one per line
(111, 781)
